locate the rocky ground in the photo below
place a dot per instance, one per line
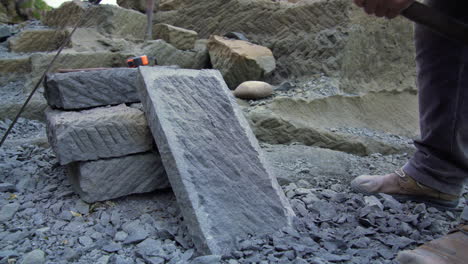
(40, 212)
(43, 221)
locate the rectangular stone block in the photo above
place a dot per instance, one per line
(97, 133)
(214, 163)
(112, 178)
(85, 89)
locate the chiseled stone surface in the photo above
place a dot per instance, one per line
(102, 132)
(85, 89)
(112, 178)
(180, 38)
(214, 163)
(239, 60)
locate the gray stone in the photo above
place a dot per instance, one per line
(7, 187)
(137, 235)
(112, 247)
(8, 211)
(168, 55)
(82, 207)
(180, 38)
(373, 201)
(103, 132)
(86, 241)
(215, 165)
(5, 32)
(120, 236)
(464, 215)
(85, 89)
(34, 257)
(150, 247)
(210, 259)
(112, 178)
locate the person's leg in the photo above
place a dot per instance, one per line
(441, 160)
(439, 168)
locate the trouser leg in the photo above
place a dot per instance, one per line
(441, 159)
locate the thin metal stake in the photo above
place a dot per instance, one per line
(42, 77)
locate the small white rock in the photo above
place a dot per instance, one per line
(253, 90)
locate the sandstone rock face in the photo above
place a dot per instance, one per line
(108, 19)
(214, 163)
(324, 122)
(253, 90)
(103, 132)
(112, 178)
(240, 61)
(168, 55)
(20, 64)
(379, 55)
(37, 40)
(78, 90)
(180, 38)
(313, 36)
(138, 5)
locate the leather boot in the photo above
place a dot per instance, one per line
(403, 188)
(450, 249)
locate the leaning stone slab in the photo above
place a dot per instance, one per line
(214, 163)
(112, 178)
(97, 133)
(85, 89)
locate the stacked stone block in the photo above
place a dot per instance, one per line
(106, 145)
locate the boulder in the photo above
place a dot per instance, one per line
(85, 89)
(252, 90)
(37, 40)
(138, 5)
(180, 38)
(240, 61)
(19, 64)
(166, 54)
(213, 160)
(112, 178)
(103, 132)
(108, 19)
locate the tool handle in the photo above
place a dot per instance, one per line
(437, 21)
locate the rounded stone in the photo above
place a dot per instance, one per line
(34, 257)
(253, 90)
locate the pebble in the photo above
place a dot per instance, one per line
(210, 259)
(36, 256)
(86, 241)
(120, 236)
(8, 187)
(8, 211)
(112, 247)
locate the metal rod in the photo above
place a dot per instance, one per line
(64, 43)
(437, 21)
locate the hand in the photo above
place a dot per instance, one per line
(384, 8)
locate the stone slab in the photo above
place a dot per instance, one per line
(180, 38)
(35, 40)
(85, 89)
(214, 163)
(112, 178)
(103, 132)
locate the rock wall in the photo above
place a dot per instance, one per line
(311, 36)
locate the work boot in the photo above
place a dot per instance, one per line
(404, 188)
(450, 249)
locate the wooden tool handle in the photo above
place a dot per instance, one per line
(437, 21)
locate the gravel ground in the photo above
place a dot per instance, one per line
(39, 211)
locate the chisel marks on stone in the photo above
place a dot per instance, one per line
(78, 90)
(212, 158)
(97, 133)
(112, 178)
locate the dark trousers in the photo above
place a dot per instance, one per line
(441, 160)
